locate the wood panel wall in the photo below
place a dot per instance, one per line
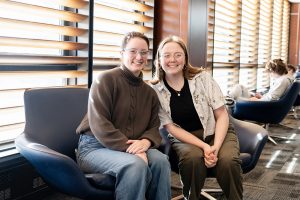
(171, 18)
(184, 18)
(294, 40)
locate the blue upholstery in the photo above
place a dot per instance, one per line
(252, 139)
(49, 142)
(267, 112)
(297, 76)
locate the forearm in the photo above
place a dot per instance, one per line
(222, 124)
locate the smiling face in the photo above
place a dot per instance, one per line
(172, 58)
(135, 55)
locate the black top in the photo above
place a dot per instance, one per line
(183, 111)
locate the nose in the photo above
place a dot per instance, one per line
(172, 58)
(139, 55)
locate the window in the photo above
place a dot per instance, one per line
(226, 43)
(242, 37)
(113, 19)
(46, 44)
(38, 48)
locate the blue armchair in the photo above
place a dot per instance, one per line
(252, 139)
(267, 112)
(297, 102)
(49, 142)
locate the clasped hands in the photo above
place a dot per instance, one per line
(139, 148)
(210, 156)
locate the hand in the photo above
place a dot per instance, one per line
(258, 95)
(138, 146)
(143, 156)
(253, 99)
(210, 156)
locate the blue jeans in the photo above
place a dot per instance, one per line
(135, 180)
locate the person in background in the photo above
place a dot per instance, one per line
(119, 134)
(193, 112)
(297, 75)
(291, 71)
(280, 82)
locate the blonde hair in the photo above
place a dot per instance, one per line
(188, 71)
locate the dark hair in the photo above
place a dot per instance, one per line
(291, 67)
(131, 35)
(277, 66)
(188, 71)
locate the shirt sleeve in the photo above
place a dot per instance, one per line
(164, 117)
(214, 93)
(99, 114)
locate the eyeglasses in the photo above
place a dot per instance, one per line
(177, 55)
(134, 52)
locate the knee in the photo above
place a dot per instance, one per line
(191, 159)
(135, 166)
(162, 161)
(229, 163)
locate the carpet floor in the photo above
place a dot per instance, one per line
(275, 177)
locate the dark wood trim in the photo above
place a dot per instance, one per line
(91, 42)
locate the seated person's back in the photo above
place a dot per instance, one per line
(280, 82)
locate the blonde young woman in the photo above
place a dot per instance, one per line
(193, 112)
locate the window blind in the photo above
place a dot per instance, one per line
(277, 29)
(249, 43)
(226, 43)
(38, 48)
(285, 30)
(113, 19)
(242, 37)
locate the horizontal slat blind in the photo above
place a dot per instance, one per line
(210, 37)
(265, 41)
(39, 45)
(249, 43)
(227, 40)
(35, 28)
(113, 19)
(243, 35)
(265, 31)
(285, 30)
(277, 29)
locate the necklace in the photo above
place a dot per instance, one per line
(178, 92)
(176, 87)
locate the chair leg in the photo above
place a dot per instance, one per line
(295, 108)
(177, 187)
(272, 140)
(178, 197)
(204, 192)
(266, 126)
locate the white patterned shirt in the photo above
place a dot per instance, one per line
(206, 94)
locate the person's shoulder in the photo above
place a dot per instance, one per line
(203, 76)
(109, 74)
(156, 85)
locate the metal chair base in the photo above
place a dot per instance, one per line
(205, 193)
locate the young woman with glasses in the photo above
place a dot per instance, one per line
(119, 134)
(193, 112)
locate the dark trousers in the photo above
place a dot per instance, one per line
(227, 170)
